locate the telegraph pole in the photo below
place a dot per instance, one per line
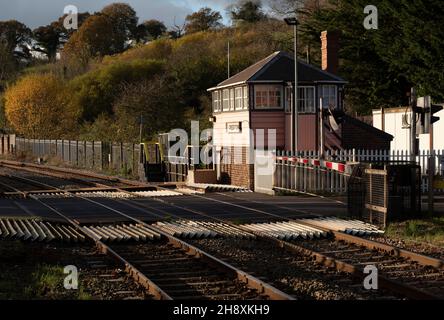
(428, 104)
(228, 60)
(294, 110)
(413, 106)
(321, 128)
(141, 129)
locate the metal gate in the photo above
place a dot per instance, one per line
(380, 193)
(310, 175)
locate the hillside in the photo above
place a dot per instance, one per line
(104, 89)
(164, 81)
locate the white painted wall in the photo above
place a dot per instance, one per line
(220, 135)
(401, 141)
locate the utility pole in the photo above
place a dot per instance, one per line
(229, 62)
(431, 164)
(413, 107)
(321, 128)
(427, 111)
(294, 111)
(141, 129)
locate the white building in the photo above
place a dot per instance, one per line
(396, 121)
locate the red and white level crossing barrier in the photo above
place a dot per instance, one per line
(335, 166)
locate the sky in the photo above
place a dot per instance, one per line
(36, 13)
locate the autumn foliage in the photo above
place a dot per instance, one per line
(36, 106)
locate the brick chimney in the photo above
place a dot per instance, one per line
(330, 51)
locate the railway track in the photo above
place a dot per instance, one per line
(83, 178)
(183, 276)
(426, 279)
(292, 272)
(179, 270)
(9, 184)
(405, 273)
(100, 276)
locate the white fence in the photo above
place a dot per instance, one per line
(395, 156)
(383, 155)
(294, 176)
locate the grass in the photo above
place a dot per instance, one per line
(430, 231)
(46, 281)
(125, 172)
(84, 296)
(27, 276)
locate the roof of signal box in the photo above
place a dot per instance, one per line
(279, 67)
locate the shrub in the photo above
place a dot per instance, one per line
(37, 107)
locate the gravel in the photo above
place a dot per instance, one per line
(159, 261)
(417, 247)
(99, 277)
(294, 274)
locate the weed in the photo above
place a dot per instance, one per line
(84, 295)
(411, 228)
(423, 230)
(45, 281)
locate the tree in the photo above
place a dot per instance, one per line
(177, 31)
(166, 81)
(3, 121)
(47, 41)
(150, 99)
(150, 30)
(36, 107)
(409, 41)
(203, 20)
(96, 37)
(16, 37)
(302, 7)
(65, 34)
(248, 11)
(7, 64)
(124, 19)
(50, 38)
(95, 92)
(373, 81)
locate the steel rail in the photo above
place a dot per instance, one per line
(357, 272)
(421, 259)
(138, 276)
(324, 259)
(76, 172)
(374, 245)
(247, 279)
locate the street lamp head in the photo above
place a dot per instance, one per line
(292, 21)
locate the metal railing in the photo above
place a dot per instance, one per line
(306, 178)
(97, 155)
(291, 175)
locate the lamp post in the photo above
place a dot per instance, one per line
(294, 110)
